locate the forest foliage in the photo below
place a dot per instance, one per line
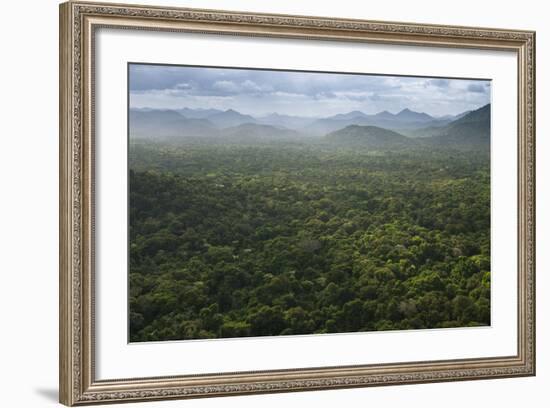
(281, 239)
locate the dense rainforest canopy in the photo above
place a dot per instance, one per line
(232, 240)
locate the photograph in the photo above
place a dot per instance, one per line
(267, 202)
(260, 201)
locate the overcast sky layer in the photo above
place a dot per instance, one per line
(260, 92)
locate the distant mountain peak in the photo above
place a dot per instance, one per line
(350, 115)
(230, 117)
(384, 114)
(408, 111)
(470, 130)
(166, 125)
(198, 113)
(481, 114)
(414, 116)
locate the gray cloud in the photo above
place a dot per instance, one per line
(300, 93)
(439, 82)
(477, 88)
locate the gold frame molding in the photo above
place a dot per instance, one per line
(78, 22)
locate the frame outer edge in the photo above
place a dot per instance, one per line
(76, 362)
(66, 304)
(527, 203)
(532, 127)
(534, 238)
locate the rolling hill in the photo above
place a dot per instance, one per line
(404, 120)
(198, 113)
(230, 118)
(167, 125)
(372, 137)
(285, 121)
(470, 130)
(254, 133)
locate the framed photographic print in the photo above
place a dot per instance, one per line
(256, 203)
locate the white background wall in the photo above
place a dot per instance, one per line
(29, 190)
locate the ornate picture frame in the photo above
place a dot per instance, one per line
(79, 22)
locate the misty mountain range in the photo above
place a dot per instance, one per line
(381, 130)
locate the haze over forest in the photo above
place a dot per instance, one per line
(267, 203)
(384, 129)
(249, 106)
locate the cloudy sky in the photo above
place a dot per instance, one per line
(259, 92)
